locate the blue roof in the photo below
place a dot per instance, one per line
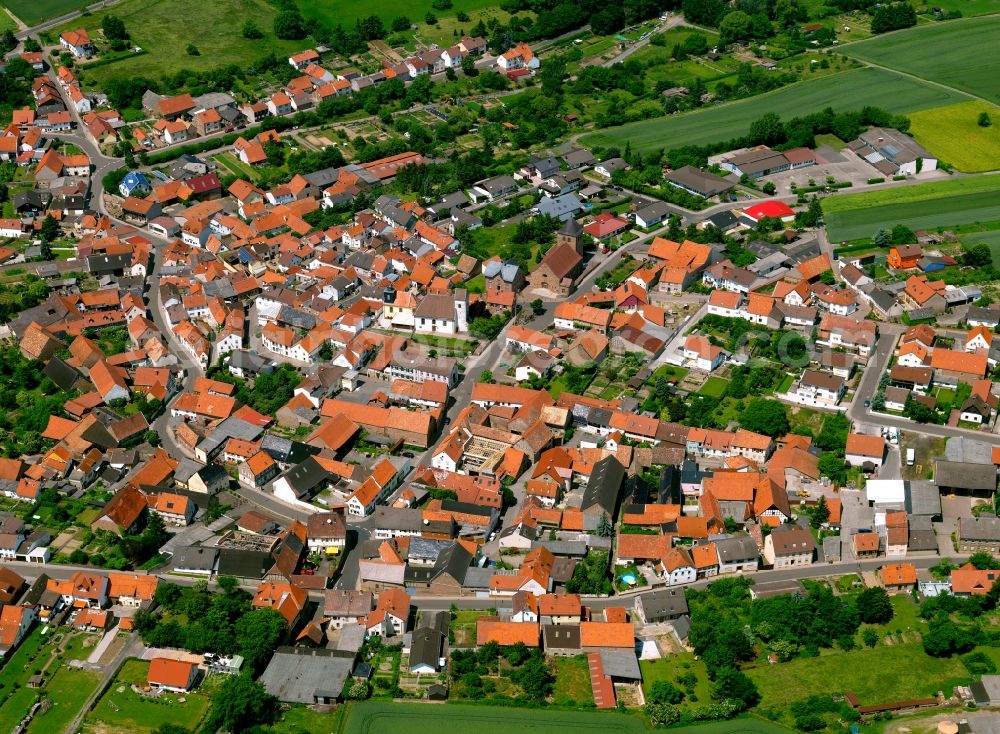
(135, 178)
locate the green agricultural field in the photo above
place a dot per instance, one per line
(968, 8)
(155, 26)
(915, 674)
(961, 54)
(346, 12)
(990, 238)
(953, 134)
(850, 90)
(389, 718)
(33, 12)
(939, 204)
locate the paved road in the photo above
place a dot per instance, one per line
(817, 570)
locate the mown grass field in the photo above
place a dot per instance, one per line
(346, 12)
(850, 90)
(939, 204)
(962, 54)
(33, 12)
(156, 25)
(914, 675)
(389, 718)
(952, 133)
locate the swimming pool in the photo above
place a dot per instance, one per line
(629, 578)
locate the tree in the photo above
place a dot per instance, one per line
(400, 23)
(902, 235)
(8, 41)
(289, 25)
(984, 119)
(767, 130)
(537, 307)
(881, 238)
(893, 16)
(114, 28)
(769, 188)
(984, 561)
(45, 250)
(736, 26)
(241, 703)
(869, 637)
(704, 12)
(874, 605)
(469, 66)
(604, 527)
(977, 256)
(251, 30)
(765, 416)
(820, 513)
(192, 50)
(50, 228)
(832, 466)
(661, 714)
(734, 685)
(663, 691)
(359, 690)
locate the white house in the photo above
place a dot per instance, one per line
(677, 567)
(820, 388)
(703, 354)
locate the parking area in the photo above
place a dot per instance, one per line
(842, 165)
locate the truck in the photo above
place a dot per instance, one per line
(911, 456)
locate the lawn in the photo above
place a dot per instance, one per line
(375, 717)
(68, 690)
(14, 678)
(673, 666)
(914, 675)
(572, 685)
(155, 26)
(926, 206)
(952, 134)
(345, 14)
(126, 712)
(33, 12)
(961, 54)
(714, 387)
(850, 90)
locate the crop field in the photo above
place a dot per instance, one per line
(991, 238)
(962, 54)
(952, 133)
(939, 204)
(388, 718)
(968, 8)
(155, 26)
(346, 12)
(850, 90)
(33, 12)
